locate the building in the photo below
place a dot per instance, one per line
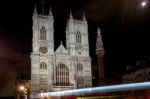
(63, 68)
(100, 53)
(139, 73)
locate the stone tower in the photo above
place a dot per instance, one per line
(65, 68)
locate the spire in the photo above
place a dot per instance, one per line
(60, 42)
(71, 17)
(50, 12)
(35, 9)
(99, 42)
(84, 19)
(98, 32)
(100, 53)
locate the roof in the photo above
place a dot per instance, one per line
(61, 50)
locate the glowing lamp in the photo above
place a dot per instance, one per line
(143, 3)
(22, 88)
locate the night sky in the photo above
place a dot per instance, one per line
(124, 24)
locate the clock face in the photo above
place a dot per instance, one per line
(43, 49)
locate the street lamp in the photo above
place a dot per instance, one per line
(23, 91)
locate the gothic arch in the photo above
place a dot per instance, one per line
(79, 67)
(43, 65)
(78, 37)
(43, 33)
(62, 75)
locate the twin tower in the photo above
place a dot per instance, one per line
(63, 68)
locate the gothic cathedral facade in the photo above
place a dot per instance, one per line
(63, 68)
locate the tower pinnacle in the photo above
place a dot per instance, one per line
(61, 42)
(84, 19)
(35, 9)
(70, 17)
(50, 12)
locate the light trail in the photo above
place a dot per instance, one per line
(112, 88)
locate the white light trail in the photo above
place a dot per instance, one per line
(113, 88)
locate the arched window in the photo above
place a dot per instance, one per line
(79, 67)
(43, 65)
(62, 75)
(43, 33)
(78, 37)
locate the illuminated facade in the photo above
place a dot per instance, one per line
(65, 68)
(100, 53)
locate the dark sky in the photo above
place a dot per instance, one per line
(124, 24)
